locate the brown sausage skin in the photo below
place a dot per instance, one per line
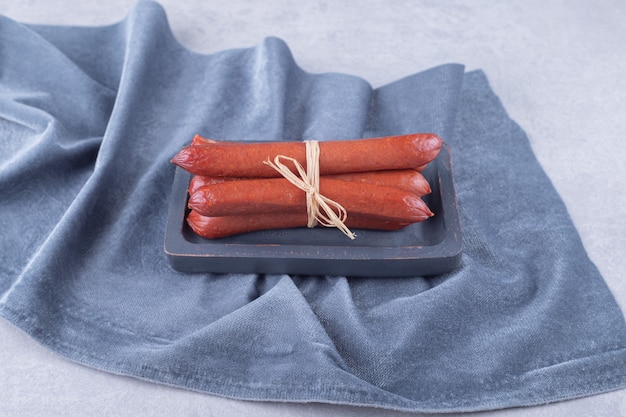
(199, 140)
(238, 159)
(262, 196)
(404, 179)
(198, 181)
(219, 227)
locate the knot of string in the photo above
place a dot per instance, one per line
(320, 209)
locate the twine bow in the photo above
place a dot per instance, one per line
(320, 209)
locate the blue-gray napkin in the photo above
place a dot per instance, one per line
(89, 119)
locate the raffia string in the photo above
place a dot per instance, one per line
(320, 209)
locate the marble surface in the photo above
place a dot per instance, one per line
(557, 66)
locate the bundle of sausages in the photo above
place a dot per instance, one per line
(378, 182)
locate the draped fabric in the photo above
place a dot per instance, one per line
(89, 119)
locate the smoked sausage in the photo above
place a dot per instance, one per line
(224, 226)
(262, 196)
(240, 159)
(404, 179)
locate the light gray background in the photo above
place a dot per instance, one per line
(557, 65)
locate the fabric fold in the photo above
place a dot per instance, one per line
(85, 182)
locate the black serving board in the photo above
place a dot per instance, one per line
(431, 247)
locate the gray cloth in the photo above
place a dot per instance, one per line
(89, 118)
